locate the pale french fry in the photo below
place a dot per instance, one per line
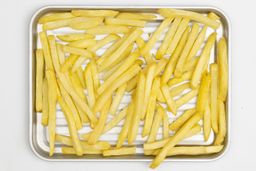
(77, 85)
(128, 62)
(137, 109)
(168, 38)
(189, 14)
(80, 74)
(186, 97)
(39, 79)
(186, 76)
(45, 108)
(61, 54)
(108, 29)
(71, 126)
(78, 63)
(52, 100)
(179, 89)
(105, 75)
(214, 96)
(183, 57)
(203, 94)
(222, 60)
(174, 126)
(125, 22)
(165, 125)
(83, 116)
(191, 64)
(222, 124)
(55, 16)
(137, 16)
(154, 38)
(87, 23)
(148, 84)
(70, 150)
(203, 60)
(128, 41)
(168, 72)
(175, 139)
(160, 66)
(119, 151)
(69, 62)
(100, 43)
(140, 43)
(46, 50)
(169, 100)
(126, 76)
(83, 43)
(97, 131)
(117, 99)
(95, 77)
(94, 13)
(132, 84)
(207, 121)
(75, 36)
(77, 51)
(176, 38)
(149, 58)
(54, 53)
(124, 132)
(62, 23)
(90, 86)
(151, 107)
(160, 97)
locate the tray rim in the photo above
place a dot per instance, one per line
(228, 109)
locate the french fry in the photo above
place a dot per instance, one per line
(62, 23)
(176, 138)
(69, 62)
(80, 75)
(140, 43)
(176, 38)
(128, 41)
(46, 50)
(189, 14)
(100, 43)
(70, 150)
(137, 109)
(191, 64)
(87, 23)
(203, 93)
(117, 99)
(149, 58)
(168, 38)
(83, 43)
(126, 76)
(153, 39)
(168, 72)
(132, 84)
(183, 57)
(39, 79)
(52, 100)
(45, 108)
(78, 63)
(160, 97)
(75, 37)
(186, 97)
(222, 60)
(207, 121)
(179, 89)
(125, 22)
(222, 124)
(108, 29)
(72, 127)
(94, 13)
(165, 125)
(148, 85)
(158, 118)
(54, 53)
(95, 77)
(97, 131)
(136, 16)
(160, 66)
(90, 86)
(119, 151)
(170, 102)
(55, 16)
(204, 59)
(214, 96)
(186, 76)
(77, 85)
(77, 51)
(151, 107)
(174, 126)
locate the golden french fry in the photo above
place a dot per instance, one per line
(132, 84)
(45, 108)
(222, 124)
(203, 94)
(203, 61)
(46, 50)
(137, 109)
(94, 13)
(140, 43)
(174, 126)
(55, 16)
(80, 74)
(168, 72)
(169, 99)
(137, 16)
(117, 99)
(160, 97)
(78, 63)
(186, 76)
(175, 139)
(119, 151)
(186, 97)
(69, 62)
(149, 58)
(222, 60)
(108, 29)
(77, 85)
(70, 150)
(87, 23)
(83, 43)
(179, 89)
(176, 38)
(77, 51)
(125, 22)
(183, 57)
(151, 107)
(75, 37)
(71, 126)
(153, 39)
(189, 14)
(160, 66)
(52, 100)
(90, 86)
(191, 64)
(100, 43)
(207, 121)
(214, 96)
(165, 125)
(39, 79)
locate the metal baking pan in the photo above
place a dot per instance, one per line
(38, 134)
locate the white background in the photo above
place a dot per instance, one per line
(15, 153)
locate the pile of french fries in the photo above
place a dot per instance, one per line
(89, 87)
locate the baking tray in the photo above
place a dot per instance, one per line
(38, 134)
